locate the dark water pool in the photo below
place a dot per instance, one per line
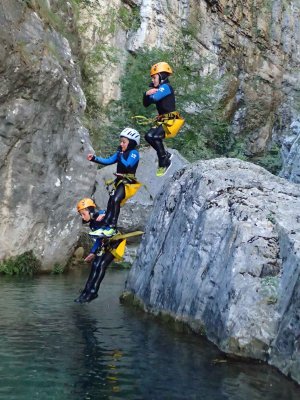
(52, 348)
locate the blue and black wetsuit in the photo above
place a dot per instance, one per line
(104, 257)
(127, 163)
(164, 99)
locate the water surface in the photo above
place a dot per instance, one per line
(52, 348)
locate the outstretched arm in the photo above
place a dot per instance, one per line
(104, 161)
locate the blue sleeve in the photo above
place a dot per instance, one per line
(96, 245)
(106, 161)
(163, 91)
(132, 159)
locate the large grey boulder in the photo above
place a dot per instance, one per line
(43, 145)
(221, 252)
(136, 211)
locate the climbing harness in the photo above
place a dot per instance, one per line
(171, 122)
(142, 120)
(119, 250)
(130, 183)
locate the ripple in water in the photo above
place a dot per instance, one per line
(54, 349)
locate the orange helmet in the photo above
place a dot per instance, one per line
(160, 67)
(85, 203)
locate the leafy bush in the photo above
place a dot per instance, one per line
(23, 264)
(205, 133)
(58, 269)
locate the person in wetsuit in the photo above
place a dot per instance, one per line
(127, 159)
(100, 254)
(162, 95)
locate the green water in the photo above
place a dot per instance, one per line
(52, 348)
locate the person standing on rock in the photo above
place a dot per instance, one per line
(168, 121)
(125, 185)
(101, 254)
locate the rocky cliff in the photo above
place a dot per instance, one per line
(221, 253)
(43, 144)
(254, 44)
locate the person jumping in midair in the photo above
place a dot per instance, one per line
(127, 159)
(162, 95)
(100, 255)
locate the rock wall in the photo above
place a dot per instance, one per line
(256, 45)
(222, 253)
(43, 144)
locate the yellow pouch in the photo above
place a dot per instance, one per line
(119, 251)
(172, 126)
(130, 190)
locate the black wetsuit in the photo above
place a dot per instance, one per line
(127, 163)
(100, 263)
(98, 270)
(164, 99)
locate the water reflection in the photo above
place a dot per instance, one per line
(52, 348)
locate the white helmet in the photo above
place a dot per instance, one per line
(132, 134)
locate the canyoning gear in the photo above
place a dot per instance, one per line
(163, 98)
(120, 235)
(85, 203)
(130, 183)
(109, 250)
(155, 138)
(160, 67)
(127, 162)
(132, 134)
(166, 125)
(105, 232)
(161, 171)
(171, 123)
(169, 155)
(142, 120)
(119, 251)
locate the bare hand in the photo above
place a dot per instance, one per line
(90, 257)
(151, 91)
(100, 217)
(90, 156)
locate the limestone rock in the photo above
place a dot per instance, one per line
(43, 144)
(221, 252)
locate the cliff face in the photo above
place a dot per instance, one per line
(43, 144)
(221, 253)
(255, 44)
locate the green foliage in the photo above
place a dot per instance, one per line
(271, 160)
(58, 269)
(55, 17)
(271, 217)
(269, 289)
(129, 17)
(23, 264)
(122, 265)
(206, 132)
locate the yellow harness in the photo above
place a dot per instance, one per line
(119, 250)
(171, 122)
(130, 183)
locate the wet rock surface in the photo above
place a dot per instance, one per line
(221, 253)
